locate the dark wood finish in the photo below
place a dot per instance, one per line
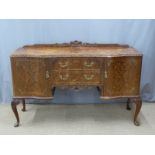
(14, 104)
(128, 104)
(114, 69)
(24, 105)
(138, 103)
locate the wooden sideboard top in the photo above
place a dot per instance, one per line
(76, 49)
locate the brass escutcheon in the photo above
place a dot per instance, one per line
(47, 74)
(105, 75)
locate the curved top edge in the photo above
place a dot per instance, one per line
(76, 48)
(77, 43)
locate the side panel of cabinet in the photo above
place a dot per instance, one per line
(122, 76)
(29, 77)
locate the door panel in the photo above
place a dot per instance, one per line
(122, 76)
(29, 78)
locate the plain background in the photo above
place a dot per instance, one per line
(137, 33)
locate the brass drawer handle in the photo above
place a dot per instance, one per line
(47, 74)
(86, 64)
(63, 65)
(88, 77)
(64, 77)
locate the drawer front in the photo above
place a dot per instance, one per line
(66, 77)
(91, 77)
(82, 63)
(76, 77)
(90, 64)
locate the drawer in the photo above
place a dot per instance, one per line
(91, 76)
(90, 64)
(65, 77)
(61, 64)
(68, 77)
(71, 63)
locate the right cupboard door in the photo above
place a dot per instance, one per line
(122, 76)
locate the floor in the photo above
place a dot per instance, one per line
(108, 118)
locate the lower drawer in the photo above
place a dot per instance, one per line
(83, 77)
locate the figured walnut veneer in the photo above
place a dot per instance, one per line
(37, 69)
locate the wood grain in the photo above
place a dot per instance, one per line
(38, 69)
(116, 72)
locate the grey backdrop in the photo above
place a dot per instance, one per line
(137, 33)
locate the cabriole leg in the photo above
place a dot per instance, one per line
(128, 104)
(138, 103)
(14, 104)
(24, 106)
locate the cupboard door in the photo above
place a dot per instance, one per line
(122, 76)
(29, 78)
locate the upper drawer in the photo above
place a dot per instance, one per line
(75, 63)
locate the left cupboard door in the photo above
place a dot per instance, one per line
(29, 77)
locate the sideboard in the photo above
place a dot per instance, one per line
(114, 69)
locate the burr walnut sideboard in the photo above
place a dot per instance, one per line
(112, 68)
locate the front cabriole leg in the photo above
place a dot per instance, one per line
(14, 104)
(138, 103)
